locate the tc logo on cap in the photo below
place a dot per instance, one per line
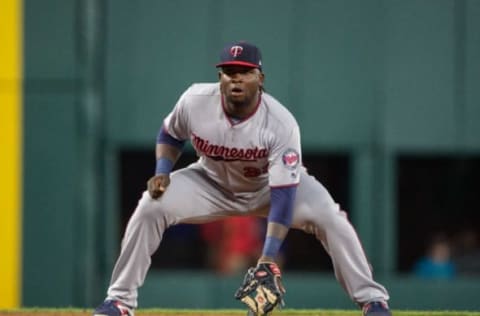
(240, 54)
(236, 50)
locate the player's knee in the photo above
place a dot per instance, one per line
(148, 210)
(339, 227)
(332, 218)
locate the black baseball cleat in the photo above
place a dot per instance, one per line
(376, 309)
(113, 308)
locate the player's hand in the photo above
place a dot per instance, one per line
(262, 289)
(157, 184)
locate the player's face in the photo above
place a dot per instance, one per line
(240, 85)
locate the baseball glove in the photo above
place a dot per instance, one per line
(262, 289)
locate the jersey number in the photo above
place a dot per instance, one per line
(252, 172)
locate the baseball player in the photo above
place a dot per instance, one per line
(249, 164)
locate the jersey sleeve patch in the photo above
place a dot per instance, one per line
(290, 159)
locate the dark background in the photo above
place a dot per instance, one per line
(435, 195)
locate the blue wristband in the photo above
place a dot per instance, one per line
(164, 166)
(271, 247)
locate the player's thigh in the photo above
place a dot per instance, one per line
(190, 196)
(314, 204)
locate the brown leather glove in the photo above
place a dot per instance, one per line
(262, 289)
(157, 184)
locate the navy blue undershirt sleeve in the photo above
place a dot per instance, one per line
(165, 138)
(281, 211)
(281, 205)
(165, 165)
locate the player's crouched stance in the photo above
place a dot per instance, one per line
(250, 164)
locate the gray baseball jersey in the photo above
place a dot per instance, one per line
(244, 156)
(238, 164)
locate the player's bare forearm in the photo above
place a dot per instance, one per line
(167, 156)
(167, 151)
(278, 231)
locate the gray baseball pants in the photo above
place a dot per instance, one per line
(192, 197)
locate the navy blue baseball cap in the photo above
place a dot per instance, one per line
(240, 54)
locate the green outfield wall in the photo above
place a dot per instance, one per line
(305, 291)
(373, 79)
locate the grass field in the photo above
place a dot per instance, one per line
(190, 312)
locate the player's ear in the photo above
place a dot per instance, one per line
(261, 76)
